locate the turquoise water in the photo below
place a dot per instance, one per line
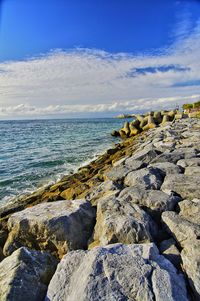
(39, 152)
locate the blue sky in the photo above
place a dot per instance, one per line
(100, 57)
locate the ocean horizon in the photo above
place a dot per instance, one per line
(39, 152)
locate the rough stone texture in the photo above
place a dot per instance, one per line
(25, 275)
(180, 228)
(145, 155)
(119, 172)
(167, 168)
(149, 178)
(122, 222)
(184, 185)
(191, 264)
(190, 210)
(192, 171)
(189, 162)
(117, 272)
(105, 189)
(175, 156)
(156, 200)
(58, 227)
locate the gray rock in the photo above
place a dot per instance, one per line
(175, 156)
(117, 272)
(57, 227)
(149, 178)
(25, 275)
(191, 265)
(192, 171)
(167, 168)
(169, 250)
(164, 145)
(184, 185)
(119, 172)
(190, 210)
(146, 155)
(189, 162)
(122, 222)
(105, 189)
(180, 228)
(156, 200)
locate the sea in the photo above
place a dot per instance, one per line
(36, 153)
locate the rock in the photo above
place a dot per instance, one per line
(167, 168)
(105, 189)
(117, 272)
(25, 275)
(74, 191)
(192, 171)
(169, 250)
(121, 222)
(190, 210)
(184, 185)
(145, 155)
(180, 228)
(192, 162)
(133, 164)
(57, 227)
(164, 145)
(120, 162)
(150, 178)
(155, 200)
(191, 265)
(115, 133)
(175, 156)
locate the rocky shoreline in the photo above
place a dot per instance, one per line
(124, 227)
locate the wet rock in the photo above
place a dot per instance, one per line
(117, 272)
(187, 186)
(25, 275)
(122, 222)
(149, 178)
(57, 227)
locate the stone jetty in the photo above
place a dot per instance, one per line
(124, 227)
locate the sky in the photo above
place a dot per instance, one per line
(97, 58)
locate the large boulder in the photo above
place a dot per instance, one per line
(25, 275)
(149, 178)
(155, 201)
(167, 168)
(119, 221)
(180, 228)
(117, 272)
(175, 155)
(146, 155)
(187, 186)
(57, 227)
(191, 264)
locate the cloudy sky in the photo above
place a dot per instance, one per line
(77, 58)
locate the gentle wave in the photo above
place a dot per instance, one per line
(38, 153)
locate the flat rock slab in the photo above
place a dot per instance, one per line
(149, 178)
(25, 275)
(193, 162)
(117, 272)
(187, 186)
(57, 227)
(122, 222)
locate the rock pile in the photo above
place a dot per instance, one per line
(146, 122)
(132, 232)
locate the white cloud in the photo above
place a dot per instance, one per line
(85, 80)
